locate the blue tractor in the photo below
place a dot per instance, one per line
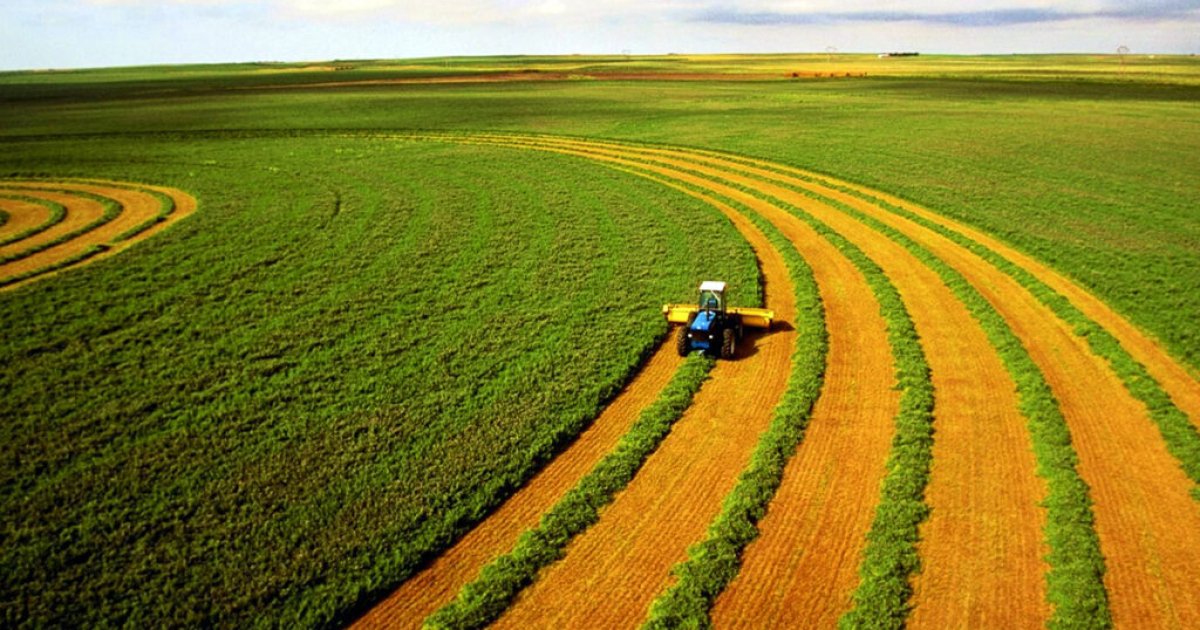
(711, 326)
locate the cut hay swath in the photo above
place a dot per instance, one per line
(57, 225)
(970, 298)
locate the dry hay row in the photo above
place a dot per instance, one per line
(438, 583)
(850, 432)
(101, 218)
(703, 453)
(1149, 539)
(628, 554)
(869, 400)
(1147, 582)
(797, 571)
(27, 217)
(1147, 526)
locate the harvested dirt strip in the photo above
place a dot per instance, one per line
(81, 211)
(1183, 389)
(22, 216)
(797, 573)
(1149, 528)
(628, 554)
(140, 217)
(983, 482)
(438, 583)
(1176, 380)
(804, 565)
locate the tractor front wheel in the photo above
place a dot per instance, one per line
(728, 344)
(681, 342)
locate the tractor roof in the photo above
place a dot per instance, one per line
(712, 285)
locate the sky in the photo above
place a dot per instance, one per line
(37, 34)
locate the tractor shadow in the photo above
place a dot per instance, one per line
(748, 345)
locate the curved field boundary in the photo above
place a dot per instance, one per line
(101, 219)
(1175, 380)
(29, 216)
(1133, 353)
(905, 509)
(960, 351)
(1122, 458)
(80, 213)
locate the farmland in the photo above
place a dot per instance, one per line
(373, 344)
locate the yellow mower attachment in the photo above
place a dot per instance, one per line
(750, 317)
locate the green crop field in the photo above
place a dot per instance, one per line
(280, 408)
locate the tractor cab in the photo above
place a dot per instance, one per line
(712, 296)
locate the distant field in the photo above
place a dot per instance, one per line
(1094, 174)
(364, 340)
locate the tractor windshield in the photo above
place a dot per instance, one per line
(710, 300)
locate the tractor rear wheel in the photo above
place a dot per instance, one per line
(681, 342)
(728, 344)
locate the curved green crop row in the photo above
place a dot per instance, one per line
(58, 212)
(483, 600)
(890, 556)
(1181, 436)
(1075, 582)
(713, 562)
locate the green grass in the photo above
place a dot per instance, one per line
(1089, 176)
(226, 414)
(483, 600)
(278, 409)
